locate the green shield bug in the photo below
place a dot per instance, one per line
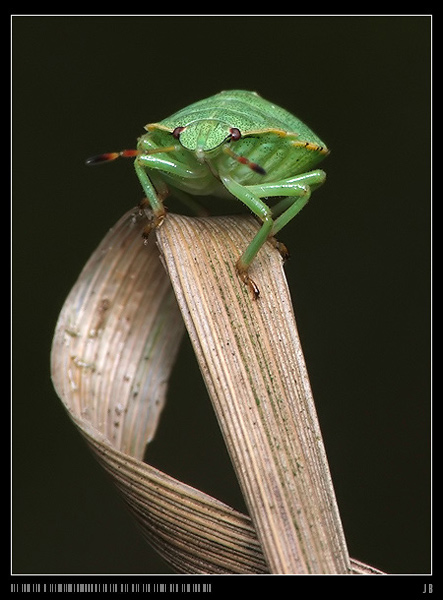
(234, 142)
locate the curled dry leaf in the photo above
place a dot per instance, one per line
(116, 340)
(114, 347)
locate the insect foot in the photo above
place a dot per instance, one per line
(243, 274)
(153, 223)
(284, 252)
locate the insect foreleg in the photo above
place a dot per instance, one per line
(154, 200)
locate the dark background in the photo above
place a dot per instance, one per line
(359, 273)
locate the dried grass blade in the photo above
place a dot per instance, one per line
(113, 349)
(252, 362)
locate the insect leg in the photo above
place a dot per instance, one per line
(296, 191)
(295, 199)
(298, 202)
(152, 198)
(301, 193)
(259, 208)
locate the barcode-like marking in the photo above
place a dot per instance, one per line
(125, 588)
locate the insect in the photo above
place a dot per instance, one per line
(237, 143)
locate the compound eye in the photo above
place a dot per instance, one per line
(235, 133)
(177, 131)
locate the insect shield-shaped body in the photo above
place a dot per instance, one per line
(234, 142)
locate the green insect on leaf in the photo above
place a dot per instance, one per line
(235, 141)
